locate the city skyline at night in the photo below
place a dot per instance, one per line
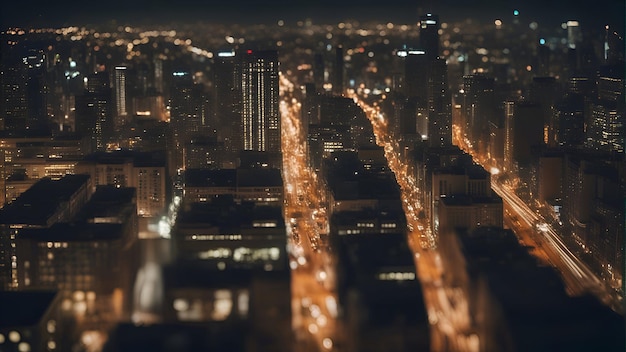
(298, 176)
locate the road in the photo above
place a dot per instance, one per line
(533, 230)
(447, 307)
(314, 299)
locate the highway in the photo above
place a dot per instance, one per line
(314, 300)
(533, 230)
(447, 307)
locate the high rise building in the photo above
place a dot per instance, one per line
(318, 71)
(574, 34)
(120, 84)
(188, 103)
(429, 35)
(36, 88)
(94, 110)
(544, 91)
(526, 130)
(605, 126)
(416, 72)
(260, 117)
(338, 71)
(426, 81)
(13, 102)
(24, 88)
(439, 105)
(569, 117)
(227, 99)
(479, 106)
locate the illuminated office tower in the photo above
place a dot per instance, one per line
(24, 89)
(13, 102)
(574, 34)
(93, 110)
(426, 81)
(120, 96)
(37, 88)
(569, 117)
(605, 127)
(227, 99)
(509, 114)
(478, 105)
(260, 118)
(613, 46)
(187, 112)
(439, 105)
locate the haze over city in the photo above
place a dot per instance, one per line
(312, 176)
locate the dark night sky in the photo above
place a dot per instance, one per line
(59, 12)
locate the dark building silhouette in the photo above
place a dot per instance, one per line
(516, 303)
(429, 35)
(379, 293)
(338, 71)
(94, 109)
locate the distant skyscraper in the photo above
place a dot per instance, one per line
(429, 35)
(605, 128)
(569, 118)
(439, 105)
(13, 102)
(187, 111)
(318, 71)
(338, 71)
(527, 132)
(24, 89)
(574, 34)
(478, 106)
(227, 99)
(260, 117)
(509, 114)
(544, 91)
(158, 75)
(120, 96)
(426, 82)
(37, 89)
(94, 110)
(187, 103)
(416, 71)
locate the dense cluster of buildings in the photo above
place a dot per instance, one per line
(107, 152)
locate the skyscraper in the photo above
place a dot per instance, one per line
(338, 71)
(260, 118)
(439, 105)
(93, 110)
(429, 35)
(24, 88)
(426, 78)
(227, 99)
(120, 96)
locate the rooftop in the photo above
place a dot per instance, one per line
(42, 200)
(24, 308)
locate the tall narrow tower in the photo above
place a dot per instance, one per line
(121, 112)
(429, 35)
(260, 117)
(338, 71)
